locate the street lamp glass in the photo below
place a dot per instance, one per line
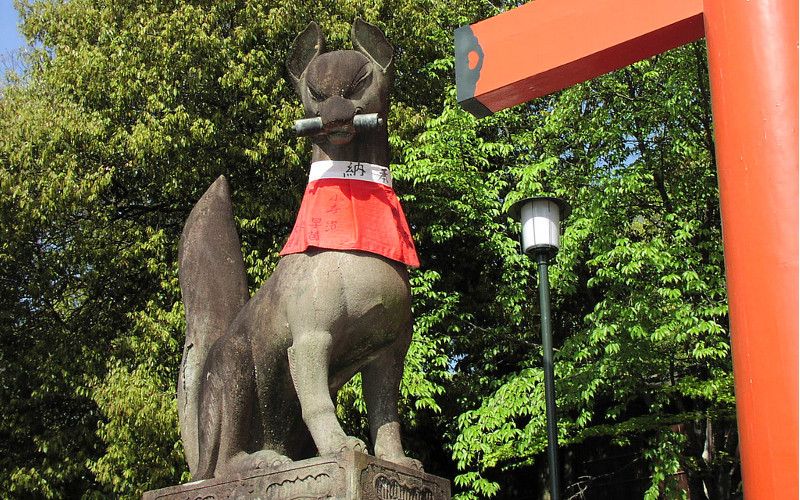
(541, 223)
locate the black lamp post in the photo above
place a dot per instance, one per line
(541, 237)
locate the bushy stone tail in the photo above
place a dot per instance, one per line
(214, 288)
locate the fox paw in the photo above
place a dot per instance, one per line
(354, 444)
(346, 443)
(262, 459)
(265, 459)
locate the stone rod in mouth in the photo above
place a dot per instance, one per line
(361, 123)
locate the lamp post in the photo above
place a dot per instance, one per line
(541, 237)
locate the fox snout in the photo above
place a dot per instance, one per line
(337, 112)
(337, 119)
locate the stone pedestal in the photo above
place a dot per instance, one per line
(347, 476)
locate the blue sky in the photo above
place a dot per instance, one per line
(10, 39)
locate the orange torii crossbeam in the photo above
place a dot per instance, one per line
(548, 45)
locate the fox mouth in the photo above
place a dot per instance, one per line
(340, 136)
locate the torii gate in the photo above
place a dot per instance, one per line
(547, 45)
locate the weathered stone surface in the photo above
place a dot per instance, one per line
(259, 372)
(347, 476)
(214, 287)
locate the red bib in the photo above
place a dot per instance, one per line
(352, 206)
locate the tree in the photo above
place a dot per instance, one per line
(639, 288)
(128, 110)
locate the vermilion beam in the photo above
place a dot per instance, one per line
(752, 59)
(547, 45)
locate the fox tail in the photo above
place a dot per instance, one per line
(214, 288)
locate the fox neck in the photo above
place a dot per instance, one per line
(372, 147)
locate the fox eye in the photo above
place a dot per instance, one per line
(316, 95)
(360, 82)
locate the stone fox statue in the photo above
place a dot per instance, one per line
(258, 374)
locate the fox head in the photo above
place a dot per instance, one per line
(337, 86)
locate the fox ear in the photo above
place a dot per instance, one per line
(370, 41)
(308, 45)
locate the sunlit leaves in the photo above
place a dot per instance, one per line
(639, 288)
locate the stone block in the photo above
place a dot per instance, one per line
(347, 476)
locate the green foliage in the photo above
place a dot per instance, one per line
(126, 113)
(638, 286)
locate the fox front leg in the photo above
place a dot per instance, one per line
(309, 362)
(381, 381)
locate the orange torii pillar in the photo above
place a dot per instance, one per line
(547, 45)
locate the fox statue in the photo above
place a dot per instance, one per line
(259, 374)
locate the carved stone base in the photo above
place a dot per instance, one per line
(347, 476)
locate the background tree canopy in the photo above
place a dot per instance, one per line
(126, 112)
